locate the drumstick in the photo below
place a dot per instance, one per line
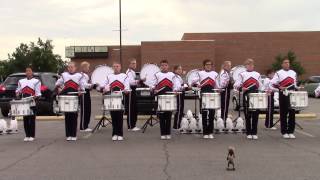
(81, 92)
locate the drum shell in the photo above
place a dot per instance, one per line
(68, 103)
(21, 107)
(167, 102)
(210, 101)
(298, 99)
(258, 101)
(113, 102)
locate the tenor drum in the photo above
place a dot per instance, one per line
(100, 73)
(21, 107)
(298, 99)
(258, 101)
(147, 72)
(113, 102)
(211, 100)
(68, 103)
(167, 102)
(191, 75)
(235, 71)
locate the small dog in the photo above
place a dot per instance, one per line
(229, 124)
(230, 158)
(3, 126)
(193, 125)
(220, 124)
(184, 125)
(13, 128)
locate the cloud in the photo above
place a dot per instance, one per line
(76, 22)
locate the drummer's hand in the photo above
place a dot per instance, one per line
(244, 89)
(282, 88)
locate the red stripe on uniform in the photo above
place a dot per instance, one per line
(251, 81)
(28, 90)
(71, 84)
(165, 83)
(207, 81)
(118, 84)
(287, 82)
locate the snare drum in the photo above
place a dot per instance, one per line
(211, 100)
(167, 102)
(113, 102)
(21, 107)
(298, 99)
(68, 103)
(258, 101)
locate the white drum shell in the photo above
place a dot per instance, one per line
(298, 99)
(112, 102)
(258, 101)
(100, 73)
(147, 72)
(211, 100)
(68, 103)
(21, 107)
(167, 102)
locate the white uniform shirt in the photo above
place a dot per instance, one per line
(86, 81)
(117, 82)
(31, 87)
(73, 81)
(168, 79)
(249, 79)
(132, 77)
(206, 78)
(283, 78)
(224, 79)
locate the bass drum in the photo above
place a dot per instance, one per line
(235, 71)
(100, 73)
(147, 72)
(192, 75)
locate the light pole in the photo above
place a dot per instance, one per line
(120, 31)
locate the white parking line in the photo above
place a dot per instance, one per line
(305, 133)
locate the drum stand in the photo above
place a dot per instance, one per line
(151, 121)
(297, 124)
(102, 121)
(239, 114)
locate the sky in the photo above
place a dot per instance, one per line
(96, 22)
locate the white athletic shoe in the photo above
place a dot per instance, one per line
(26, 139)
(211, 136)
(249, 137)
(114, 138)
(286, 136)
(31, 139)
(82, 130)
(206, 137)
(88, 130)
(69, 138)
(292, 136)
(273, 128)
(168, 136)
(163, 137)
(255, 137)
(73, 138)
(136, 129)
(120, 138)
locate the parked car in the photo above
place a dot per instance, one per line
(45, 103)
(311, 84)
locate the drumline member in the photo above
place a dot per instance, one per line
(117, 81)
(27, 87)
(70, 82)
(131, 103)
(85, 99)
(226, 86)
(285, 79)
(178, 71)
(207, 81)
(248, 82)
(270, 110)
(165, 81)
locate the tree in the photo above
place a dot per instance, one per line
(38, 55)
(294, 63)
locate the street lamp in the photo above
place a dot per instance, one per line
(120, 31)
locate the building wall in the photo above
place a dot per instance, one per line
(264, 46)
(189, 54)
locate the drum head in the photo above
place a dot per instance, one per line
(192, 75)
(235, 71)
(147, 72)
(100, 73)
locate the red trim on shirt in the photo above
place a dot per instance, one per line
(28, 90)
(71, 84)
(207, 81)
(164, 83)
(249, 82)
(118, 84)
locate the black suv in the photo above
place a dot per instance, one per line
(9, 86)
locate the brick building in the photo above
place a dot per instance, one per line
(194, 47)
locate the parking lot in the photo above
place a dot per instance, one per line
(145, 156)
